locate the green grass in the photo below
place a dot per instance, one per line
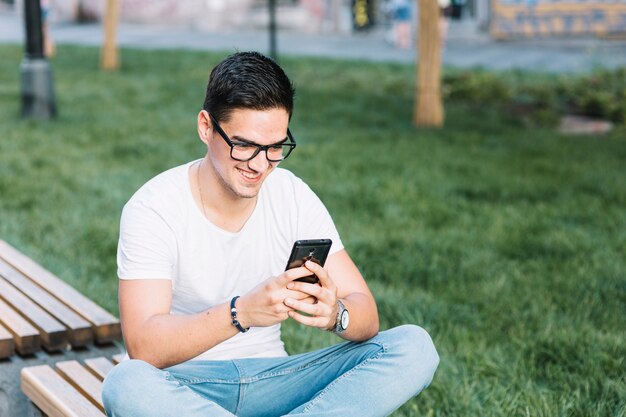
(507, 244)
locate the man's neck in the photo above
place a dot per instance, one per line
(220, 205)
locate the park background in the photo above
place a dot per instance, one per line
(503, 237)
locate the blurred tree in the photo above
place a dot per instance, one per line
(428, 104)
(109, 57)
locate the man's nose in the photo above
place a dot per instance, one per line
(260, 162)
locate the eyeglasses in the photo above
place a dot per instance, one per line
(245, 151)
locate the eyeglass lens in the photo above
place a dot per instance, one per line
(244, 151)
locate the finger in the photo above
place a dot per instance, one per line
(313, 290)
(318, 309)
(319, 322)
(291, 274)
(300, 296)
(310, 300)
(320, 272)
(326, 295)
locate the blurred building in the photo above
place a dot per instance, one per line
(514, 19)
(314, 16)
(502, 19)
(526, 18)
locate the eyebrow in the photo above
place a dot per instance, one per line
(249, 142)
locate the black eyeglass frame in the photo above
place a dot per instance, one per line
(259, 148)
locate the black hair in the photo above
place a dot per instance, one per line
(247, 80)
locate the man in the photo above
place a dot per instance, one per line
(203, 290)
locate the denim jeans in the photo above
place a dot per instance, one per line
(371, 378)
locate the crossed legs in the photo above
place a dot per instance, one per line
(371, 378)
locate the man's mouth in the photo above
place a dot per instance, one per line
(250, 176)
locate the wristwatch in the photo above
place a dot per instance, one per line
(343, 318)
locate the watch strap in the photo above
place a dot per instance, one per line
(341, 308)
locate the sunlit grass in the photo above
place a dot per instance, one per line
(507, 244)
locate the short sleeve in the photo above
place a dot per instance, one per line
(146, 247)
(314, 220)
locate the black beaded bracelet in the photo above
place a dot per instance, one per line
(233, 314)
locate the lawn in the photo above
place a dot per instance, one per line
(508, 244)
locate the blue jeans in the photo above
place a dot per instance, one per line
(371, 378)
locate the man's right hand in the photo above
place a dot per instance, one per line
(264, 305)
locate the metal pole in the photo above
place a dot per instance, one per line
(36, 74)
(34, 33)
(336, 11)
(273, 52)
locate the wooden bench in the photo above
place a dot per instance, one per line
(72, 389)
(43, 320)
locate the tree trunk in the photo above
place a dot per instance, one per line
(109, 58)
(428, 104)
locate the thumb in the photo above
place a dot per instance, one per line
(292, 274)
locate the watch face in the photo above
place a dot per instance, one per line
(345, 319)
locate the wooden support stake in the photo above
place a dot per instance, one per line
(109, 58)
(428, 104)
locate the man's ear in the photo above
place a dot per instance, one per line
(205, 127)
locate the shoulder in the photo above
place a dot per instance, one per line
(174, 179)
(164, 191)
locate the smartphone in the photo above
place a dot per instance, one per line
(315, 250)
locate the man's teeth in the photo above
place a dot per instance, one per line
(248, 175)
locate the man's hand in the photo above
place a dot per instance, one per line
(322, 314)
(264, 305)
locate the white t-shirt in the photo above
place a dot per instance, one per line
(164, 235)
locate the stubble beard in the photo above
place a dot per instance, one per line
(232, 189)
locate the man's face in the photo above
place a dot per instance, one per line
(261, 127)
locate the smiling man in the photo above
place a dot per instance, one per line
(203, 290)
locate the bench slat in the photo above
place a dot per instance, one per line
(7, 345)
(99, 366)
(118, 358)
(107, 326)
(83, 380)
(53, 334)
(79, 330)
(27, 339)
(55, 396)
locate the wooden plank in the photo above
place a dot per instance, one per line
(100, 367)
(55, 396)
(53, 334)
(26, 337)
(118, 358)
(107, 326)
(83, 380)
(7, 345)
(79, 330)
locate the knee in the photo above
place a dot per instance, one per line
(425, 350)
(415, 351)
(124, 384)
